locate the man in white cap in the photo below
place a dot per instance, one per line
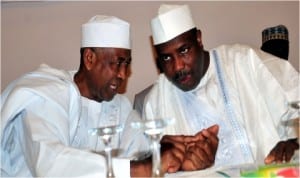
(46, 114)
(242, 90)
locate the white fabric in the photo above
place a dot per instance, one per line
(259, 86)
(106, 31)
(172, 20)
(135, 141)
(139, 98)
(44, 128)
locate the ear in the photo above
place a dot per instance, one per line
(199, 38)
(89, 57)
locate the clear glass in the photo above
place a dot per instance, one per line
(106, 134)
(295, 107)
(154, 129)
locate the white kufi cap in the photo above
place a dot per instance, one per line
(106, 31)
(172, 20)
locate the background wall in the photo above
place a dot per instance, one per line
(49, 32)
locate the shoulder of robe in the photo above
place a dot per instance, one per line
(47, 83)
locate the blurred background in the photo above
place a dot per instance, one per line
(40, 31)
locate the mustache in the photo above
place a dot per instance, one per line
(181, 74)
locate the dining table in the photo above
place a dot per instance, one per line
(283, 170)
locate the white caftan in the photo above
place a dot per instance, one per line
(44, 128)
(244, 91)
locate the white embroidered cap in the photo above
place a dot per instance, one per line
(106, 31)
(172, 20)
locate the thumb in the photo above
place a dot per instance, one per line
(170, 163)
(269, 159)
(214, 129)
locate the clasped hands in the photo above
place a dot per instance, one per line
(189, 153)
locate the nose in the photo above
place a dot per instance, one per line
(178, 63)
(122, 72)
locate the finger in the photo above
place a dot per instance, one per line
(171, 138)
(290, 147)
(180, 146)
(179, 138)
(199, 136)
(279, 153)
(190, 139)
(170, 144)
(198, 157)
(288, 156)
(174, 166)
(209, 146)
(214, 129)
(203, 133)
(270, 158)
(207, 134)
(209, 150)
(275, 155)
(188, 165)
(212, 139)
(170, 163)
(179, 154)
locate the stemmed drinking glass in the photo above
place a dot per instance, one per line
(154, 129)
(295, 105)
(106, 134)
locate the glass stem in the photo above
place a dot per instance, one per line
(156, 164)
(110, 173)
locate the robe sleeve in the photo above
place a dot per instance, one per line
(278, 82)
(284, 73)
(45, 143)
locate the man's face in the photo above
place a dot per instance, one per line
(182, 60)
(277, 47)
(108, 72)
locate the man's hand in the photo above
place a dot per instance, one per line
(173, 152)
(283, 151)
(201, 154)
(192, 152)
(172, 156)
(181, 152)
